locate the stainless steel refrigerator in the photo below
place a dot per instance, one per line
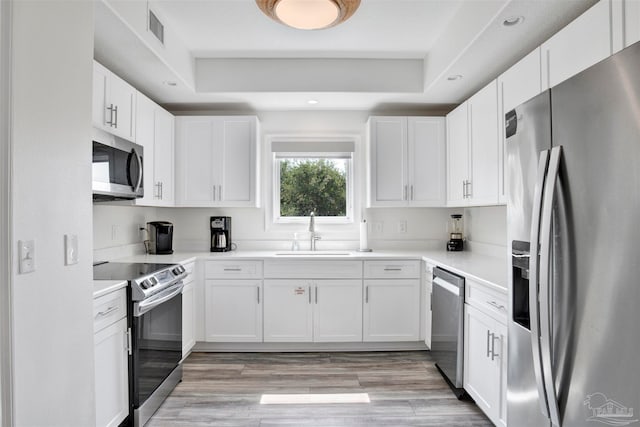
(573, 214)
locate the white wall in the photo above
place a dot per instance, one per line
(51, 125)
(486, 225)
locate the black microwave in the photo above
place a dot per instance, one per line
(117, 170)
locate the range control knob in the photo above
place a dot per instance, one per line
(145, 284)
(178, 270)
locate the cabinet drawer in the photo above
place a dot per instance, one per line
(488, 300)
(401, 269)
(109, 308)
(303, 269)
(233, 269)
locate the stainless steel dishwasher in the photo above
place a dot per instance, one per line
(447, 341)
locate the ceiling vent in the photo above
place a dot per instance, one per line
(156, 27)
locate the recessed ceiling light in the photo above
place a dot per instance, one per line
(312, 101)
(454, 77)
(512, 21)
(169, 83)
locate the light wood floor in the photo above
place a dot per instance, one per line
(224, 389)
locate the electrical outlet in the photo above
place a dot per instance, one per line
(27, 254)
(70, 249)
(402, 227)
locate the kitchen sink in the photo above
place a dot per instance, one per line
(313, 253)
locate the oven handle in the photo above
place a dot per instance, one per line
(145, 306)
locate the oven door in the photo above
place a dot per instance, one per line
(156, 341)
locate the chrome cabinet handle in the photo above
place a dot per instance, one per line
(232, 269)
(115, 111)
(392, 269)
(366, 294)
(258, 288)
(493, 347)
(214, 192)
(316, 294)
(161, 190)
(110, 122)
(107, 311)
(464, 189)
(404, 195)
(496, 305)
(412, 198)
(309, 294)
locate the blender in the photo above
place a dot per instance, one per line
(456, 230)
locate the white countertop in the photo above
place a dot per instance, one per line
(489, 270)
(103, 287)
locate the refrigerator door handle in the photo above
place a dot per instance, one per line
(545, 289)
(533, 280)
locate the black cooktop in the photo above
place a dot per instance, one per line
(125, 270)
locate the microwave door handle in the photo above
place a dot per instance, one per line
(136, 187)
(533, 281)
(544, 279)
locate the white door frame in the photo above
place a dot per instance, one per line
(6, 351)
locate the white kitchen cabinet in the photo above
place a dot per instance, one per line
(517, 85)
(288, 310)
(484, 367)
(428, 280)
(188, 317)
(216, 160)
(391, 310)
(111, 359)
(630, 22)
(472, 154)
(406, 161)
(155, 132)
(234, 310)
(585, 41)
(114, 103)
(337, 311)
(458, 155)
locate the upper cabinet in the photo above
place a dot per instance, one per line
(114, 103)
(216, 161)
(584, 42)
(406, 161)
(155, 132)
(472, 150)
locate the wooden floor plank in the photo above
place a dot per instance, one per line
(224, 390)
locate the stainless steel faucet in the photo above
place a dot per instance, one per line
(313, 237)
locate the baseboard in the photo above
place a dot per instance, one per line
(261, 347)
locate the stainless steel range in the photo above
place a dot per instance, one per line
(154, 305)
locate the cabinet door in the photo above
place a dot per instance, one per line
(188, 319)
(237, 150)
(195, 156)
(483, 114)
(457, 155)
(391, 310)
(111, 374)
(164, 156)
(631, 16)
(123, 96)
(387, 161)
(233, 310)
(502, 350)
(428, 312)
(100, 114)
(579, 45)
(288, 311)
(337, 313)
(145, 134)
(426, 161)
(481, 374)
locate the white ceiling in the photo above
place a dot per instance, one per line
(451, 36)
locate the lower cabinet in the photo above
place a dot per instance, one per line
(391, 310)
(111, 374)
(318, 310)
(234, 310)
(485, 350)
(188, 318)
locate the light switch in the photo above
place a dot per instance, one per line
(26, 251)
(70, 249)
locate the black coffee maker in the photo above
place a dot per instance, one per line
(160, 237)
(220, 233)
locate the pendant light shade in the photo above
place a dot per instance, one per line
(309, 14)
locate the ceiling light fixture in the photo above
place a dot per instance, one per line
(512, 21)
(454, 77)
(309, 14)
(312, 101)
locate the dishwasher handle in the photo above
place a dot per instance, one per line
(446, 286)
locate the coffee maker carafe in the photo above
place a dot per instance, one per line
(220, 233)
